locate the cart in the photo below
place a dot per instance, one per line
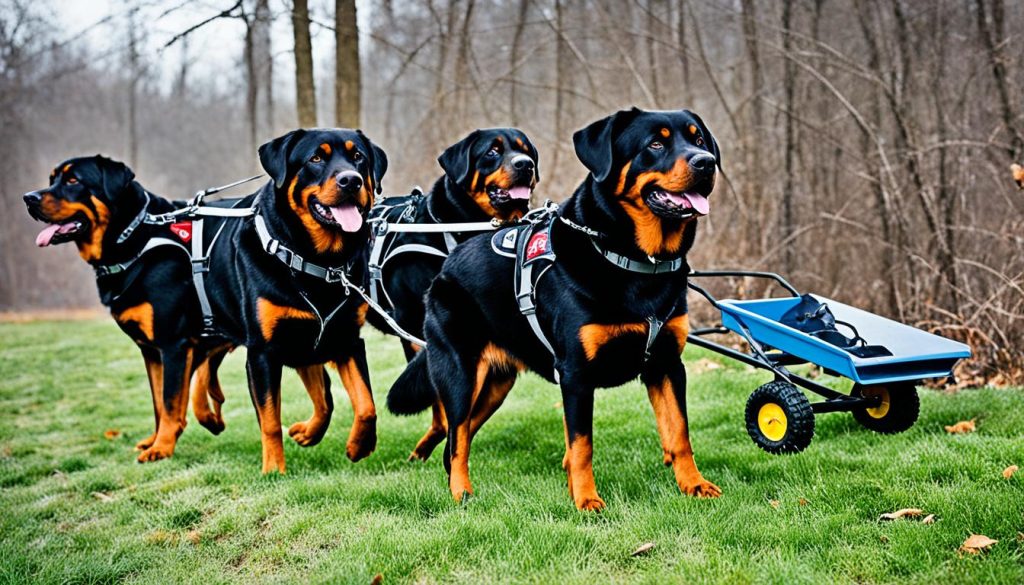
(779, 417)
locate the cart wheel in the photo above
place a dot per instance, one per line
(779, 418)
(897, 411)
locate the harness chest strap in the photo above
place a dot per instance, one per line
(108, 269)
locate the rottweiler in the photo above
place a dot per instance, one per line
(489, 174)
(279, 281)
(96, 203)
(609, 300)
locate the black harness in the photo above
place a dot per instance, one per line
(530, 244)
(394, 216)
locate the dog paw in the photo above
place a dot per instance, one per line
(591, 503)
(362, 440)
(214, 424)
(306, 433)
(701, 488)
(156, 453)
(145, 443)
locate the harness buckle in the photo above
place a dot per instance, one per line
(200, 265)
(295, 262)
(336, 275)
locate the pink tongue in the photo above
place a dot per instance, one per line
(348, 216)
(519, 192)
(45, 236)
(698, 202)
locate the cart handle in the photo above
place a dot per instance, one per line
(743, 273)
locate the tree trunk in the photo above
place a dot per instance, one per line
(347, 81)
(789, 83)
(517, 44)
(305, 89)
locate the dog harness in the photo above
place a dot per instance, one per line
(391, 219)
(531, 246)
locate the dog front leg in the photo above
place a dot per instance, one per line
(264, 375)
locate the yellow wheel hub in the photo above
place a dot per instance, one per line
(771, 420)
(883, 407)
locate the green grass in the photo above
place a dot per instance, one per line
(208, 516)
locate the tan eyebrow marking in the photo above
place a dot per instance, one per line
(665, 132)
(519, 141)
(349, 145)
(66, 168)
(693, 128)
(326, 148)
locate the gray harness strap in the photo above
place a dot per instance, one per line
(201, 258)
(526, 285)
(108, 269)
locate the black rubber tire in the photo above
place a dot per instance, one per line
(904, 408)
(799, 417)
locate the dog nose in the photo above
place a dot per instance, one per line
(703, 163)
(32, 197)
(349, 181)
(523, 163)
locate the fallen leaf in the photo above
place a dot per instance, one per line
(1020, 537)
(929, 519)
(774, 504)
(802, 501)
(884, 539)
(704, 365)
(193, 536)
(161, 537)
(642, 549)
(377, 579)
(904, 513)
(976, 543)
(1009, 471)
(962, 427)
(102, 497)
(111, 434)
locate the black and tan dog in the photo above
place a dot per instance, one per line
(489, 174)
(611, 304)
(96, 203)
(277, 281)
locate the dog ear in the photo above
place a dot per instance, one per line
(595, 144)
(274, 155)
(115, 176)
(712, 143)
(378, 164)
(455, 159)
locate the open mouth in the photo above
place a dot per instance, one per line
(59, 233)
(500, 196)
(345, 215)
(677, 205)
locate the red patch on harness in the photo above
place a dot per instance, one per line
(182, 229)
(537, 245)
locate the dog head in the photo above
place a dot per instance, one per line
(497, 168)
(326, 180)
(86, 197)
(657, 167)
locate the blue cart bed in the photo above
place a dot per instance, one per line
(916, 355)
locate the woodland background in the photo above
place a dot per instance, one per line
(866, 143)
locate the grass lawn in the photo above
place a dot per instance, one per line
(76, 508)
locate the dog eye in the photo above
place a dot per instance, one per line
(493, 152)
(316, 158)
(699, 141)
(72, 180)
(358, 156)
(656, 145)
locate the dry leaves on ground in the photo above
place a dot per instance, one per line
(103, 497)
(1009, 471)
(976, 543)
(642, 549)
(703, 365)
(774, 504)
(111, 434)
(962, 427)
(904, 513)
(929, 519)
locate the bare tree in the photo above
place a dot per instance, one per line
(305, 88)
(347, 80)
